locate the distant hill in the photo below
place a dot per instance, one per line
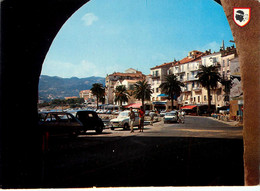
(57, 87)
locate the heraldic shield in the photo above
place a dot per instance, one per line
(241, 15)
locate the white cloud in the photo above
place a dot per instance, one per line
(214, 46)
(89, 19)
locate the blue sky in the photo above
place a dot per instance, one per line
(105, 36)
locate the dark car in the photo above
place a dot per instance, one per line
(90, 121)
(59, 124)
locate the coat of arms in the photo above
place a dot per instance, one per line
(241, 15)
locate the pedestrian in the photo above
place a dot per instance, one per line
(152, 117)
(141, 119)
(131, 115)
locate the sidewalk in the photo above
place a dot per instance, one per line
(229, 122)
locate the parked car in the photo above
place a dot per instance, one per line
(90, 121)
(109, 112)
(122, 120)
(147, 112)
(59, 124)
(162, 113)
(170, 117)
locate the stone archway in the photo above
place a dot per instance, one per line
(248, 46)
(28, 29)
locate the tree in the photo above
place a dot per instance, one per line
(121, 94)
(209, 78)
(227, 83)
(142, 91)
(172, 88)
(98, 90)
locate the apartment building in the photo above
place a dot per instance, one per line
(186, 70)
(117, 78)
(158, 74)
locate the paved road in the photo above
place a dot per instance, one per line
(194, 126)
(201, 152)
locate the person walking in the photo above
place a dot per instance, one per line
(141, 119)
(131, 119)
(152, 117)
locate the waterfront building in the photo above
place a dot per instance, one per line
(87, 95)
(112, 80)
(186, 69)
(158, 74)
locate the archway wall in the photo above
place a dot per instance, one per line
(28, 28)
(248, 47)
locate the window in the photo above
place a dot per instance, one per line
(205, 98)
(228, 62)
(131, 87)
(187, 76)
(194, 99)
(157, 90)
(223, 63)
(198, 98)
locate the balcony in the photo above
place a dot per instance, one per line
(191, 79)
(179, 71)
(197, 89)
(156, 77)
(186, 90)
(194, 68)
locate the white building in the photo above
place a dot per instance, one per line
(118, 78)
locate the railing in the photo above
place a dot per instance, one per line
(155, 77)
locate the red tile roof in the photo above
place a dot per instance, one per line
(163, 65)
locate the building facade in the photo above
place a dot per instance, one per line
(186, 71)
(87, 95)
(117, 78)
(158, 74)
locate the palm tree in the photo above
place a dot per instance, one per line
(121, 94)
(98, 90)
(171, 87)
(142, 91)
(209, 78)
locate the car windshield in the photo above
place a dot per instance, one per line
(170, 114)
(123, 114)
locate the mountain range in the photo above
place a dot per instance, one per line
(54, 87)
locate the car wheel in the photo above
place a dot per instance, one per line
(99, 129)
(126, 126)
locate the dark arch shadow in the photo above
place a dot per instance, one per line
(28, 28)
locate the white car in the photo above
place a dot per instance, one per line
(170, 117)
(122, 120)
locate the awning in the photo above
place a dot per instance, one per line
(162, 95)
(188, 107)
(159, 103)
(133, 105)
